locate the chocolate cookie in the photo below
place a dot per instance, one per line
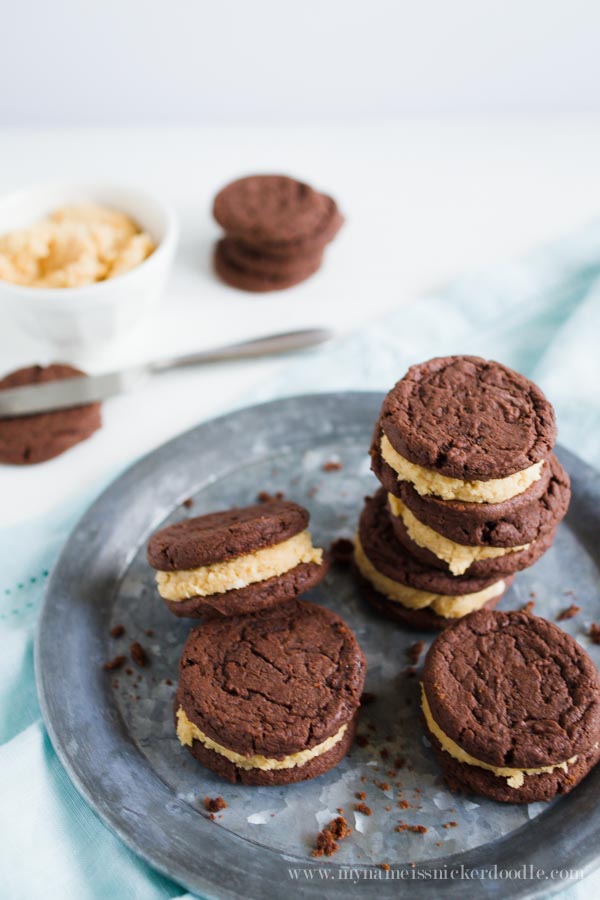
(272, 697)
(236, 561)
(506, 694)
(467, 418)
(389, 569)
(276, 214)
(248, 279)
(257, 262)
(26, 440)
(512, 523)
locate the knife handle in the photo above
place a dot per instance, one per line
(263, 346)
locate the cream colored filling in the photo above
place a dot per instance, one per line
(239, 572)
(188, 732)
(449, 606)
(426, 481)
(514, 777)
(458, 556)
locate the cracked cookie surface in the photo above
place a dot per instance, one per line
(468, 418)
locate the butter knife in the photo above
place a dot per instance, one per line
(68, 392)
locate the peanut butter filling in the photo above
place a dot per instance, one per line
(458, 556)
(426, 481)
(187, 732)
(449, 606)
(239, 572)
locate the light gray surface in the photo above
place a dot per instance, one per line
(118, 743)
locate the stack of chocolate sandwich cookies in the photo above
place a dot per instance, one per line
(276, 229)
(523, 723)
(269, 685)
(471, 491)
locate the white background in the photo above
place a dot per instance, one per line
(182, 61)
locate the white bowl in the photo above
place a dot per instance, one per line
(81, 317)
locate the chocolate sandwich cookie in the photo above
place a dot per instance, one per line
(511, 705)
(277, 214)
(272, 697)
(26, 440)
(248, 279)
(462, 428)
(237, 561)
(403, 588)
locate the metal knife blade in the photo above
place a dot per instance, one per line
(69, 392)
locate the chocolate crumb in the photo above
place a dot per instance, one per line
(362, 740)
(188, 503)
(149, 632)
(399, 762)
(214, 804)
(528, 607)
(117, 631)
(384, 753)
(363, 808)
(129, 670)
(332, 465)
(168, 681)
(266, 497)
(594, 633)
(568, 613)
(326, 843)
(414, 651)
(410, 672)
(114, 663)
(342, 551)
(138, 654)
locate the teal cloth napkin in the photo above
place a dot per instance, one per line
(540, 315)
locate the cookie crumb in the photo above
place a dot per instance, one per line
(342, 552)
(114, 663)
(149, 632)
(214, 804)
(415, 829)
(594, 633)
(117, 631)
(138, 654)
(332, 465)
(568, 613)
(528, 607)
(362, 740)
(312, 491)
(410, 672)
(363, 808)
(414, 652)
(385, 866)
(266, 497)
(450, 825)
(168, 681)
(399, 762)
(361, 795)
(326, 843)
(188, 503)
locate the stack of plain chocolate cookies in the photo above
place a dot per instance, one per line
(276, 229)
(471, 490)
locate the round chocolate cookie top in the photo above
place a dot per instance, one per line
(25, 440)
(513, 690)
(272, 209)
(274, 682)
(468, 418)
(389, 557)
(225, 535)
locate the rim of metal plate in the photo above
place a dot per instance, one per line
(117, 781)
